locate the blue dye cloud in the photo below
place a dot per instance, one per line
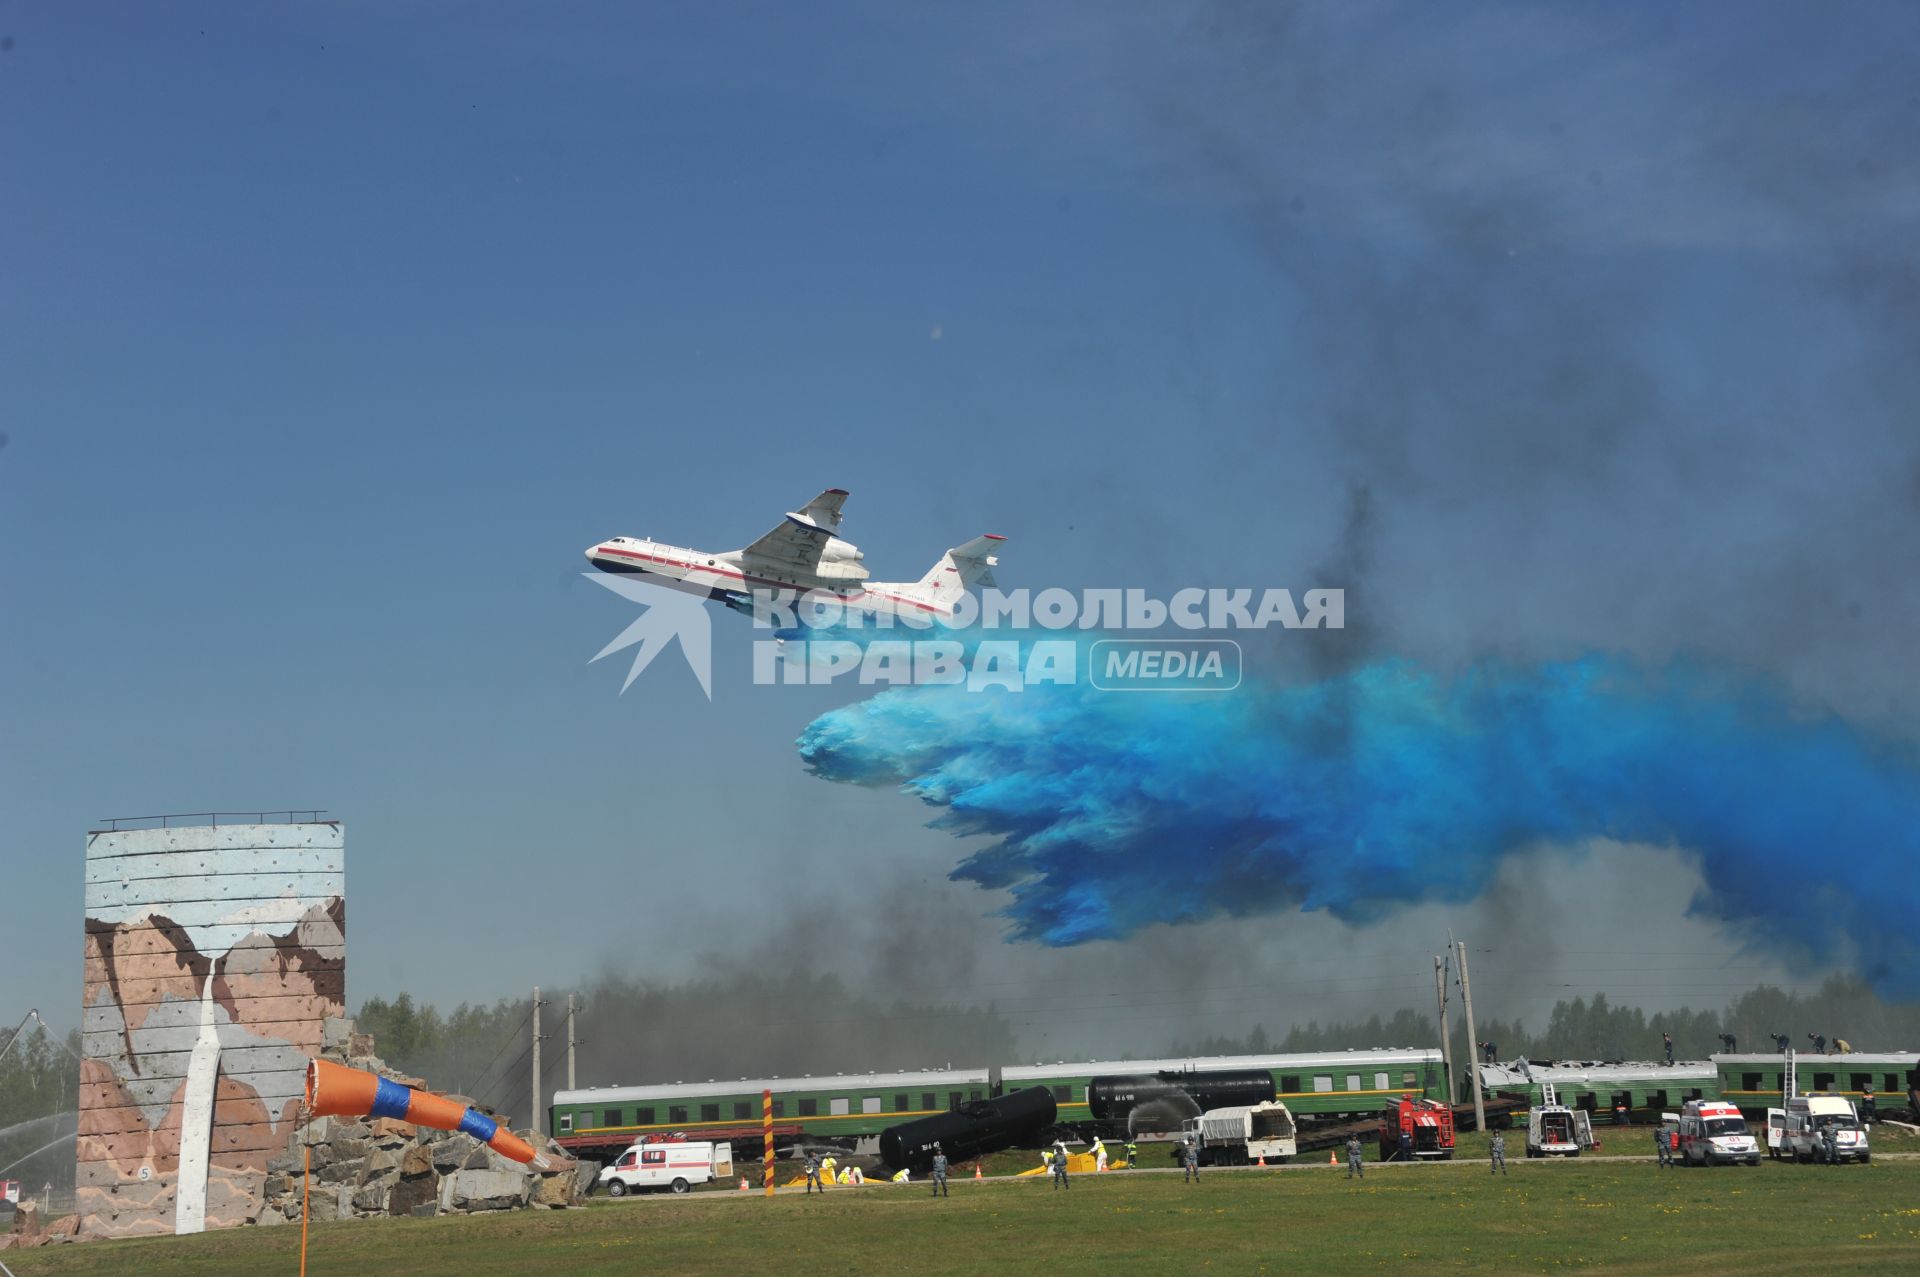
(1390, 786)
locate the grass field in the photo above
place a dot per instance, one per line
(1599, 1215)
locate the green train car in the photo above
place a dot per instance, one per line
(848, 1109)
(1602, 1087)
(1755, 1082)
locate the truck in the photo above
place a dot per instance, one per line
(1810, 1117)
(1243, 1133)
(1712, 1132)
(670, 1164)
(1427, 1124)
(1554, 1130)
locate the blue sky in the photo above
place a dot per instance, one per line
(331, 338)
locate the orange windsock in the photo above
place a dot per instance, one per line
(333, 1090)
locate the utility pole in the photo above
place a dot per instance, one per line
(539, 1127)
(1446, 1038)
(1473, 1070)
(570, 1042)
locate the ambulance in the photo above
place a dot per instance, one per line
(676, 1167)
(1712, 1131)
(1809, 1117)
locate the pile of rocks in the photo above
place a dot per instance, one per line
(27, 1230)
(382, 1166)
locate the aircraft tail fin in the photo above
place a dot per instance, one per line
(962, 568)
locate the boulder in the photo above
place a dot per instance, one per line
(371, 1199)
(482, 1190)
(350, 1150)
(410, 1192)
(386, 1128)
(554, 1191)
(451, 1154)
(340, 1172)
(271, 1217)
(382, 1161)
(416, 1159)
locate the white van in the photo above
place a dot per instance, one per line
(1808, 1119)
(677, 1167)
(1712, 1131)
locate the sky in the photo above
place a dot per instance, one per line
(330, 338)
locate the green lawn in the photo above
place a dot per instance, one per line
(1591, 1214)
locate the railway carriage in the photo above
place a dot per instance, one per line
(1755, 1082)
(1601, 1087)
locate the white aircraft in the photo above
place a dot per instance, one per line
(800, 555)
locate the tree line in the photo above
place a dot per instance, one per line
(39, 1089)
(1596, 1028)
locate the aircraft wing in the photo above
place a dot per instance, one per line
(800, 538)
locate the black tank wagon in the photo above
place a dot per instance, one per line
(1171, 1096)
(974, 1128)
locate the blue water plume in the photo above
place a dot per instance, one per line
(1390, 786)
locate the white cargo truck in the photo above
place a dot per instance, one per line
(1554, 1130)
(1244, 1134)
(676, 1167)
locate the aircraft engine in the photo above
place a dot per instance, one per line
(838, 551)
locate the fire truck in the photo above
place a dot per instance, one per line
(1427, 1124)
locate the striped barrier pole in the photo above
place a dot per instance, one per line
(766, 1138)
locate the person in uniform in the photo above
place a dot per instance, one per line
(1099, 1154)
(1819, 1041)
(1497, 1154)
(1405, 1151)
(1662, 1145)
(813, 1173)
(1829, 1145)
(1060, 1168)
(1869, 1113)
(1190, 1161)
(1355, 1166)
(1727, 1043)
(940, 1173)
(1843, 1046)
(1666, 1043)
(1491, 1051)
(1133, 1156)
(1780, 1041)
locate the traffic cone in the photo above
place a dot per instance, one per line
(743, 1183)
(976, 1170)
(1331, 1159)
(1262, 1162)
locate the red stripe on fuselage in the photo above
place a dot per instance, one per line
(761, 580)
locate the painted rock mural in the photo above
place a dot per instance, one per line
(214, 954)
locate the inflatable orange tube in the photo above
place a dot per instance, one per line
(333, 1090)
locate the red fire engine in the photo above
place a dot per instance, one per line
(1427, 1125)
